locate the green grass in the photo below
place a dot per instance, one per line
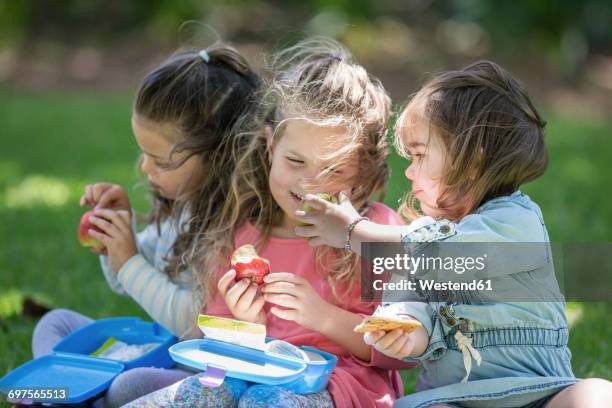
(52, 145)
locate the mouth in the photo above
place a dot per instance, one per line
(155, 188)
(297, 197)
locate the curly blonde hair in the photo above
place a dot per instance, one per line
(318, 81)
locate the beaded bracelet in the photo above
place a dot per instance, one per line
(349, 231)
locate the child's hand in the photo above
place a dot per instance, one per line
(328, 223)
(117, 235)
(397, 344)
(298, 300)
(242, 298)
(105, 195)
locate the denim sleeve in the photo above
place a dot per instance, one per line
(514, 240)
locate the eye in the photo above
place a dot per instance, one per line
(295, 161)
(415, 156)
(333, 170)
(157, 162)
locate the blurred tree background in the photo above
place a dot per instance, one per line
(561, 49)
(69, 69)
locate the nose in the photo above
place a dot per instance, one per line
(307, 177)
(410, 172)
(146, 166)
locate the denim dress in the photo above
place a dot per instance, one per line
(490, 354)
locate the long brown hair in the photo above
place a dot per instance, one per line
(492, 134)
(207, 97)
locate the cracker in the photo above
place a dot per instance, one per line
(375, 323)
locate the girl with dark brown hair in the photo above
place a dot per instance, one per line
(186, 121)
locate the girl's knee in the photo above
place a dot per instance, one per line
(54, 317)
(126, 387)
(61, 321)
(52, 327)
(592, 392)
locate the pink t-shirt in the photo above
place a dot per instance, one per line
(353, 382)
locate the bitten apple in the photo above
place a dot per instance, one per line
(84, 238)
(248, 264)
(306, 208)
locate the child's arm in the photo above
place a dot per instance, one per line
(170, 303)
(146, 242)
(302, 304)
(338, 324)
(328, 225)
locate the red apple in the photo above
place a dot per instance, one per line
(248, 264)
(84, 237)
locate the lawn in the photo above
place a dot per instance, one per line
(52, 145)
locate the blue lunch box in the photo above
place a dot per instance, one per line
(220, 359)
(84, 376)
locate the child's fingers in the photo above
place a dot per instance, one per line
(103, 238)
(407, 348)
(122, 219)
(115, 218)
(388, 339)
(306, 231)
(88, 196)
(106, 226)
(283, 277)
(371, 338)
(285, 314)
(225, 281)
(112, 194)
(306, 217)
(279, 287)
(234, 292)
(126, 216)
(245, 301)
(99, 189)
(395, 347)
(258, 303)
(316, 202)
(283, 300)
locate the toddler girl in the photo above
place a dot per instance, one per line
(474, 138)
